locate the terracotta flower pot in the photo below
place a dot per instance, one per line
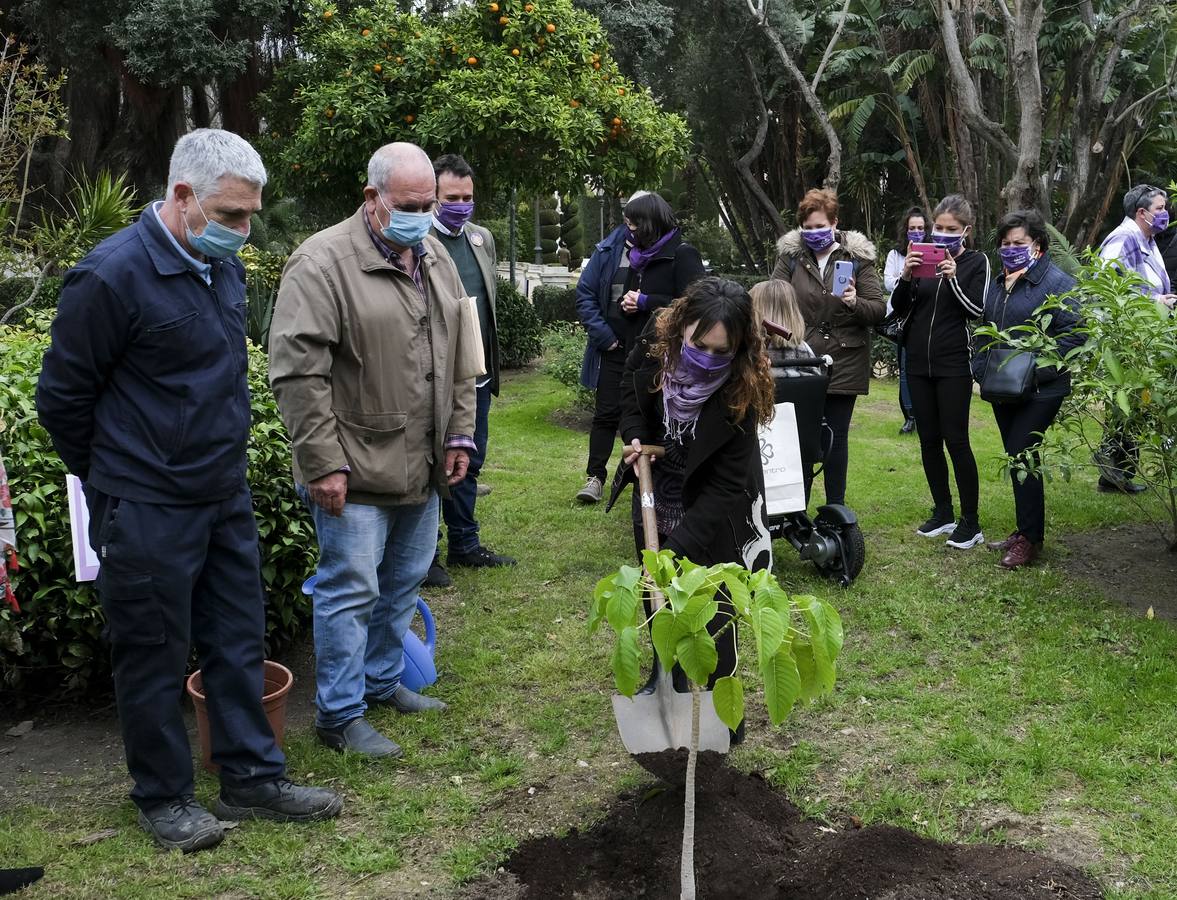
(278, 682)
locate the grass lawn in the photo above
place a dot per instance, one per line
(973, 704)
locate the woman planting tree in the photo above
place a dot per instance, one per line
(698, 382)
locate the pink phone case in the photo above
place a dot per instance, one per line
(933, 255)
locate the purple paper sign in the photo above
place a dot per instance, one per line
(85, 559)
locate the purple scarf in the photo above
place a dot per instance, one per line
(697, 376)
(639, 258)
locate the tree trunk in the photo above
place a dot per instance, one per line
(238, 113)
(687, 866)
(1026, 189)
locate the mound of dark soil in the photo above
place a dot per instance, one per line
(752, 843)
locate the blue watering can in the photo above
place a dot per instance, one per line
(419, 668)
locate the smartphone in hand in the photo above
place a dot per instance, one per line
(843, 274)
(931, 256)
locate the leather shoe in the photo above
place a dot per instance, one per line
(908, 426)
(1126, 486)
(182, 824)
(1002, 545)
(479, 558)
(280, 800)
(1020, 553)
(405, 701)
(358, 736)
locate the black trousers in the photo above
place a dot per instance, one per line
(607, 415)
(171, 576)
(1021, 425)
(838, 410)
(941, 406)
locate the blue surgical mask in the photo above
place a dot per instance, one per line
(217, 240)
(406, 229)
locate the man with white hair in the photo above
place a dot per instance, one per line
(144, 393)
(373, 360)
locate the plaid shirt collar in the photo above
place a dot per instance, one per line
(391, 256)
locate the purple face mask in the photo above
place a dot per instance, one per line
(702, 366)
(1160, 221)
(950, 242)
(1015, 258)
(915, 235)
(817, 239)
(454, 215)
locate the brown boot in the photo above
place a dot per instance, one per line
(1002, 545)
(1020, 553)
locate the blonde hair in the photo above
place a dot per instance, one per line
(776, 301)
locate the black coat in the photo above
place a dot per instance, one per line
(666, 277)
(723, 484)
(937, 312)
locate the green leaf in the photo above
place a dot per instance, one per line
(666, 631)
(621, 609)
(689, 582)
(770, 633)
(782, 684)
(819, 640)
(697, 655)
(1122, 402)
(1113, 366)
(626, 662)
(696, 613)
(728, 697)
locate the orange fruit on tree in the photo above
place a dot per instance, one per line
(327, 14)
(503, 20)
(550, 28)
(410, 118)
(575, 104)
(377, 68)
(296, 166)
(621, 92)
(365, 32)
(616, 121)
(528, 7)
(514, 51)
(399, 60)
(329, 113)
(473, 60)
(596, 65)
(494, 7)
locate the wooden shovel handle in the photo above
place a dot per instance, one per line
(646, 500)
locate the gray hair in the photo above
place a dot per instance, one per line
(391, 157)
(204, 156)
(1141, 197)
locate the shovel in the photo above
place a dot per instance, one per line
(651, 723)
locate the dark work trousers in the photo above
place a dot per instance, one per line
(173, 575)
(1021, 425)
(458, 510)
(838, 410)
(941, 408)
(607, 415)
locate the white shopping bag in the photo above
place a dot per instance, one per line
(780, 454)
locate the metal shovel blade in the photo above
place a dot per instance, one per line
(651, 723)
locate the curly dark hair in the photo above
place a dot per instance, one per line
(715, 301)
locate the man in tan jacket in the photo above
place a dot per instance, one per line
(369, 361)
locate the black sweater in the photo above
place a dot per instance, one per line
(937, 313)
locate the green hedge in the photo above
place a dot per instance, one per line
(519, 328)
(555, 304)
(16, 290)
(55, 643)
(563, 356)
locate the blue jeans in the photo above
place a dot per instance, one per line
(372, 560)
(458, 511)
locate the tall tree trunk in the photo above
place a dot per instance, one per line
(1026, 188)
(744, 163)
(238, 98)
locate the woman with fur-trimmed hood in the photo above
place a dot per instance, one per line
(836, 326)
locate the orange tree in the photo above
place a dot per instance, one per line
(525, 89)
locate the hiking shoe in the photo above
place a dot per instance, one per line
(1020, 553)
(359, 737)
(966, 535)
(437, 576)
(942, 522)
(908, 426)
(182, 824)
(1122, 486)
(1003, 545)
(479, 558)
(592, 490)
(482, 490)
(280, 800)
(405, 701)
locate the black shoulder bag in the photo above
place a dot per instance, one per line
(1009, 373)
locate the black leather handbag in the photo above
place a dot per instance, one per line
(1008, 375)
(892, 327)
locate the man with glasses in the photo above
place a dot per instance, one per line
(371, 365)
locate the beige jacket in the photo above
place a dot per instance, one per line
(364, 377)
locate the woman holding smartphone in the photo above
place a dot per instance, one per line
(912, 229)
(937, 307)
(838, 292)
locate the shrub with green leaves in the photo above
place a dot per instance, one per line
(55, 643)
(519, 328)
(1123, 377)
(563, 357)
(555, 304)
